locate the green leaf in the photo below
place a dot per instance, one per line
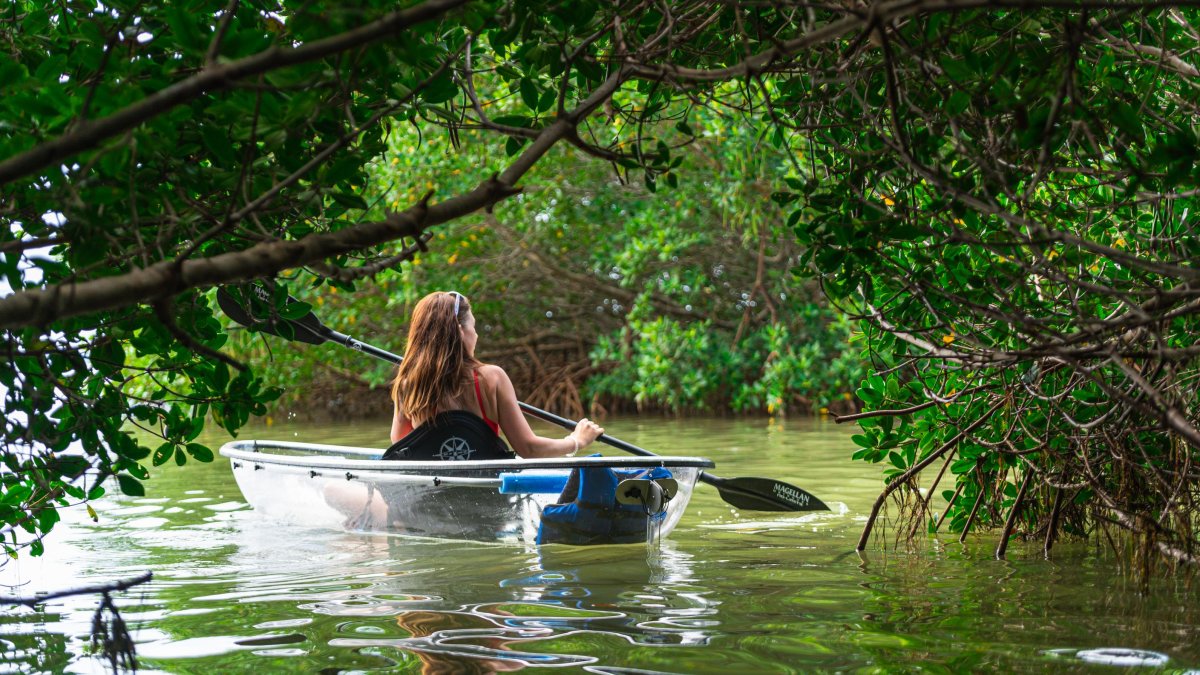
(184, 29)
(513, 145)
(957, 69)
(529, 93)
(200, 452)
(519, 121)
(108, 357)
(1128, 120)
(130, 485)
(217, 142)
(12, 72)
(349, 200)
(163, 453)
(47, 516)
(17, 494)
(342, 169)
(295, 310)
(957, 103)
(870, 397)
(71, 466)
(961, 466)
(442, 89)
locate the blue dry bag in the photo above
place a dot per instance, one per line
(588, 512)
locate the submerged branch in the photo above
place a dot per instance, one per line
(110, 587)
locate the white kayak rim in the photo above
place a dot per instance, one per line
(335, 457)
(350, 487)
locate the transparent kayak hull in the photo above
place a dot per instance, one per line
(615, 499)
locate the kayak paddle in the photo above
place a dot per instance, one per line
(750, 493)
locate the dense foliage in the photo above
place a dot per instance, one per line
(1001, 192)
(1015, 229)
(595, 294)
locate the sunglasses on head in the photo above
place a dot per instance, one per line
(457, 299)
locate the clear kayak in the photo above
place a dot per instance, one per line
(571, 500)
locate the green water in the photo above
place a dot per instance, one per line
(740, 592)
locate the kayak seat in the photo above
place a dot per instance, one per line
(587, 511)
(451, 435)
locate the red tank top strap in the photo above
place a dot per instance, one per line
(483, 411)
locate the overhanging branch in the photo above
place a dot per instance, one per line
(880, 14)
(89, 135)
(164, 279)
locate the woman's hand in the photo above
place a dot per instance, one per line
(585, 432)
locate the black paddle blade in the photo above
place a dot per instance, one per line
(254, 309)
(764, 494)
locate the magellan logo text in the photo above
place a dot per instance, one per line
(790, 494)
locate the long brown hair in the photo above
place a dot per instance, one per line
(436, 364)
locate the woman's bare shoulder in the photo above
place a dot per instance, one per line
(492, 374)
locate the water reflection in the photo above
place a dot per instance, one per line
(551, 601)
(960, 609)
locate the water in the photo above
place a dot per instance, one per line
(748, 592)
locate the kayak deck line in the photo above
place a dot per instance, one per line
(253, 451)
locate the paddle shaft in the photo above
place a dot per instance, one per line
(705, 476)
(358, 346)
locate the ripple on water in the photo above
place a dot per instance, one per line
(226, 506)
(492, 632)
(145, 523)
(361, 606)
(215, 645)
(1121, 657)
(280, 652)
(752, 522)
(131, 510)
(190, 648)
(284, 623)
(271, 640)
(194, 611)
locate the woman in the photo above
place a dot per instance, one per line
(449, 405)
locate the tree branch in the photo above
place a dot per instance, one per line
(89, 134)
(110, 587)
(164, 279)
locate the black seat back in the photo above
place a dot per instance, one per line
(452, 435)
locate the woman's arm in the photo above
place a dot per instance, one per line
(516, 428)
